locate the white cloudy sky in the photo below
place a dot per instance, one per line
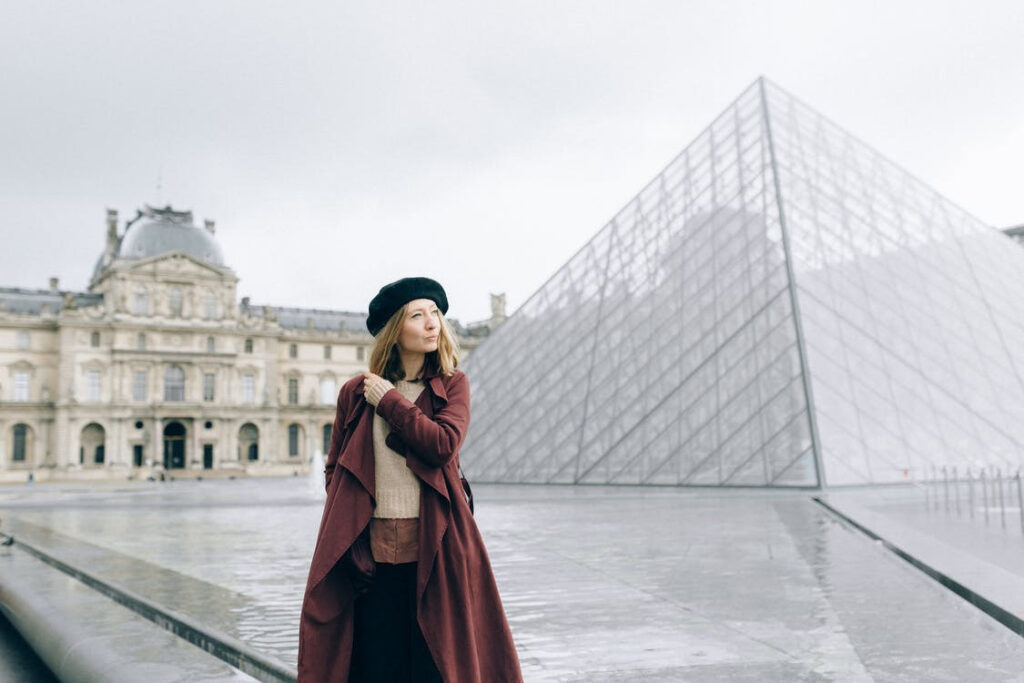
(343, 145)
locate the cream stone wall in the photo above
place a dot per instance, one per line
(83, 419)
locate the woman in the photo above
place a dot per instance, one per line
(425, 607)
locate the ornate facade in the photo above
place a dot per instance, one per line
(158, 367)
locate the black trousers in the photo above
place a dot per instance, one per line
(388, 644)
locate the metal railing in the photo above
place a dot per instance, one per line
(954, 491)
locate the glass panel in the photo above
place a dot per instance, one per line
(638, 361)
(665, 350)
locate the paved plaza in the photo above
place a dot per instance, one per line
(600, 583)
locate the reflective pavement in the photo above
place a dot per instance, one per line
(600, 583)
(17, 661)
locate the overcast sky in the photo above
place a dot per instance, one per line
(343, 145)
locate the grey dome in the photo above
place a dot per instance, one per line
(159, 231)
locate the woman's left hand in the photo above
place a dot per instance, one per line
(374, 388)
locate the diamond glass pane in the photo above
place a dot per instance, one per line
(665, 350)
(913, 331)
(776, 258)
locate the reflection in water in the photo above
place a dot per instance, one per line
(599, 583)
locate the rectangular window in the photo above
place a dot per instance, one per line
(94, 340)
(140, 385)
(328, 394)
(174, 301)
(248, 345)
(22, 340)
(293, 391)
(293, 350)
(209, 307)
(327, 353)
(140, 305)
(211, 345)
(360, 353)
(140, 342)
(293, 440)
(137, 455)
(248, 388)
(92, 385)
(21, 385)
(208, 383)
(174, 384)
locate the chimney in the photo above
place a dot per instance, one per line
(53, 284)
(210, 227)
(111, 232)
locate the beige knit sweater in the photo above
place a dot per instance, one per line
(398, 489)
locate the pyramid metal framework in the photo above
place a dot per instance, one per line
(781, 306)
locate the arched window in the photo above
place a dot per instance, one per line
(248, 442)
(174, 384)
(20, 442)
(92, 450)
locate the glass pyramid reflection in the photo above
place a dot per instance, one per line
(781, 306)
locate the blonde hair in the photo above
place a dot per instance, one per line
(386, 362)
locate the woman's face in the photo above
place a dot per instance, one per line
(422, 327)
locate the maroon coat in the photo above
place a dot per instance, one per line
(457, 602)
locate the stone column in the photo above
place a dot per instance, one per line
(194, 460)
(154, 451)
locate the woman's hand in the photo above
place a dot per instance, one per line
(374, 388)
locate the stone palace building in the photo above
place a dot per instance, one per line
(158, 367)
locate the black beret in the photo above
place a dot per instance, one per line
(393, 296)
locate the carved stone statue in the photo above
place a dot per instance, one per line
(498, 306)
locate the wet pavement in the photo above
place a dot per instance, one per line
(982, 553)
(599, 583)
(17, 660)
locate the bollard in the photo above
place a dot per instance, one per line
(931, 489)
(970, 493)
(1020, 501)
(984, 494)
(927, 493)
(1002, 502)
(956, 490)
(945, 487)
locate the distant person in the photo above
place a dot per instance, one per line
(400, 587)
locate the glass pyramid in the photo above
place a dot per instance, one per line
(781, 306)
